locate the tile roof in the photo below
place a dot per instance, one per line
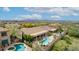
(36, 30)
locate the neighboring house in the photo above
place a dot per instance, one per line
(4, 37)
(38, 32)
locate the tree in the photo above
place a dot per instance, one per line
(29, 25)
(60, 45)
(13, 28)
(60, 29)
(28, 38)
(67, 39)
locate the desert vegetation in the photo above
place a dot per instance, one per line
(68, 42)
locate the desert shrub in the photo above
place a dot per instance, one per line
(61, 45)
(73, 31)
(67, 39)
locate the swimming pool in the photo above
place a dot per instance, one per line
(45, 41)
(19, 47)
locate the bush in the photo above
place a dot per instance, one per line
(59, 29)
(60, 45)
(73, 31)
(28, 38)
(67, 39)
(28, 25)
(29, 44)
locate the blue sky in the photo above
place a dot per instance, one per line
(39, 13)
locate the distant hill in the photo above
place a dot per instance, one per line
(36, 20)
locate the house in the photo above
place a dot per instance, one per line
(38, 32)
(4, 37)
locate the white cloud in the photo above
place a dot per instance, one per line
(75, 8)
(75, 14)
(32, 16)
(62, 11)
(6, 9)
(38, 9)
(65, 11)
(55, 17)
(25, 8)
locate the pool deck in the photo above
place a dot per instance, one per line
(28, 48)
(47, 47)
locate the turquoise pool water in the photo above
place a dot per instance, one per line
(19, 47)
(45, 41)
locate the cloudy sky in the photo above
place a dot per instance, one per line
(39, 13)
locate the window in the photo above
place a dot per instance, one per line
(3, 34)
(5, 42)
